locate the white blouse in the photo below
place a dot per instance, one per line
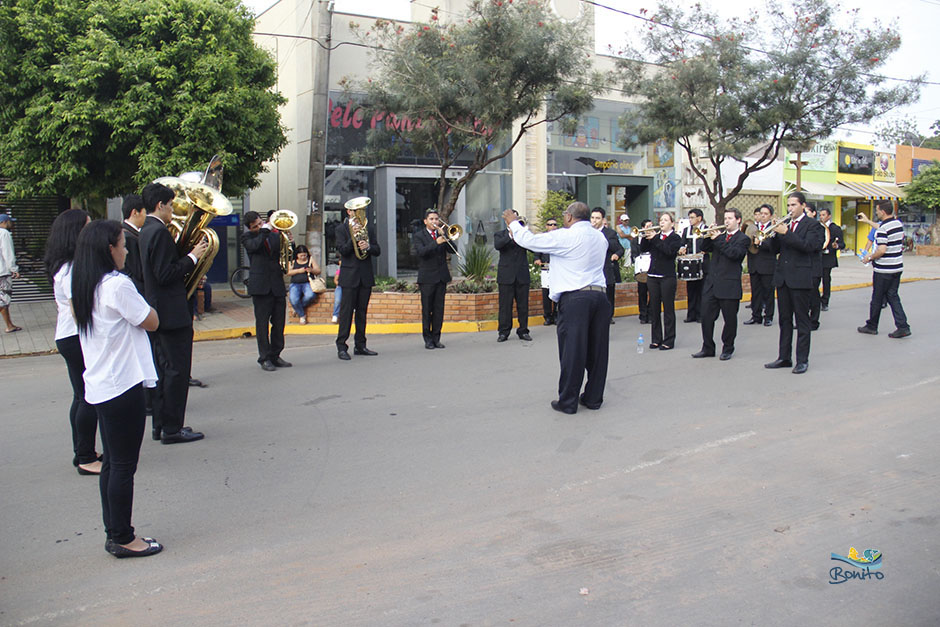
(62, 290)
(117, 352)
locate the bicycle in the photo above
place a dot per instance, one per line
(239, 282)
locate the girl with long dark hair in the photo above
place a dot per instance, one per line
(60, 250)
(112, 320)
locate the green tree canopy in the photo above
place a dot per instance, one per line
(100, 97)
(463, 85)
(783, 79)
(924, 189)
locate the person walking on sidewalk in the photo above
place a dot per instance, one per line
(8, 271)
(887, 263)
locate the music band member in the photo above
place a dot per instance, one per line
(796, 244)
(815, 302)
(661, 281)
(612, 261)
(512, 277)
(761, 261)
(830, 257)
(433, 275)
(579, 287)
(262, 242)
(692, 245)
(356, 278)
(642, 289)
(722, 290)
(543, 261)
(164, 272)
(135, 214)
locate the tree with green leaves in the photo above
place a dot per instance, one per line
(751, 87)
(99, 97)
(455, 91)
(924, 189)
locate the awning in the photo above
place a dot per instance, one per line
(825, 189)
(874, 191)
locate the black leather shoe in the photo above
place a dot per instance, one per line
(121, 552)
(814, 326)
(557, 407)
(780, 363)
(528, 338)
(280, 363)
(800, 368)
(612, 321)
(725, 356)
(689, 320)
(581, 401)
(343, 355)
(196, 383)
(267, 366)
(768, 323)
(701, 354)
(752, 321)
(182, 436)
(429, 344)
(549, 322)
(824, 307)
(156, 434)
(437, 344)
(898, 333)
(867, 330)
(502, 338)
(364, 351)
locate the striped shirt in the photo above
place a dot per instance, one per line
(890, 234)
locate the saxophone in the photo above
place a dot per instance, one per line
(358, 224)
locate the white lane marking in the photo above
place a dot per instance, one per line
(911, 386)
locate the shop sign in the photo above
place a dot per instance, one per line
(822, 158)
(884, 167)
(856, 160)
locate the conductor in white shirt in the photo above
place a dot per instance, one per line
(578, 252)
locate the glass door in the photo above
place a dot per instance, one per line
(413, 196)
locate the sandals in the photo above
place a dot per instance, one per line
(13, 330)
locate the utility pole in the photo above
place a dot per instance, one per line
(316, 175)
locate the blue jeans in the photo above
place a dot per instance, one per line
(300, 296)
(336, 296)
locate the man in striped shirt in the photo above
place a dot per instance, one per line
(888, 264)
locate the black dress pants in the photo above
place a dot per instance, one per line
(826, 285)
(82, 416)
(173, 357)
(662, 296)
(549, 307)
(762, 297)
(694, 291)
(509, 292)
(794, 303)
(815, 303)
(122, 421)
(885, 288)
(354, 299)
(432, 310)
(269, 309)
(583, 343)
(729, 313)
(643, 300)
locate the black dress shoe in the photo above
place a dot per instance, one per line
(268, 366)
(701, 354)
(156, 434)
(589, 406)
(725, 356)
(814, 326)
(689, 320)
(557, 407)
(800, 368)
(664, 347)
(528, 338)
(779, 363)
(429, 344)
(549, 322)
(768, 323)
(121, 552)
(343, 355)
(196, 383)
(437, 344)
(752, 321)
(502, 338)
(182, 436)
(364, 351)
(280, 363)
(824, 307)
(612, 321)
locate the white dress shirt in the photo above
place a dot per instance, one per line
(7, 256)
(578, 254)
(62, 290)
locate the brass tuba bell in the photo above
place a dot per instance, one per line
(358, 223)
(285, 220)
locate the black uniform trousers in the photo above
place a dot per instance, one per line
(549, 307)
(432, 309)
(814, 303)
(826, 285)
(729, 313)
(643, 300)
(82, 416)
(762, 297)
(885, 288)
(354, 299)
(794, 303)
(509, 292)
(694, 291)
(173, 357)
(583, 342)
(662, 295)
(269, 309)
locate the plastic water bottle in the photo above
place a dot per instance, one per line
(639, 344)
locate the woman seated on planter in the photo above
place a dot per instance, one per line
(301, 293)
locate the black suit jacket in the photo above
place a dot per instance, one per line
(265, 275)
(354, 271)
(513, 266)
(796, 252)
(614, 247)
(830, 259)
(164, 271)
(662, 253)
(724, 279)
(132, 265)
(432, 258)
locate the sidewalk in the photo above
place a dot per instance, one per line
(233, 317)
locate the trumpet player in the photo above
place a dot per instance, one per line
(262, 242)
(431, 244)
(356, 277)
(512, 277)
(761, 260)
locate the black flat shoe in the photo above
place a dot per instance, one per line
(121, 552)
(437, 344)
(83, 471)
(654, 346)
(364, 351)
(701, 354)
(280, 363)
(181, 437)
(664, 347)
(557, 407)
(156, 434)
(779, 363)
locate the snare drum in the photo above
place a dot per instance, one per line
(690, 267)
(642, 267)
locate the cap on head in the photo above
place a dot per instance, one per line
(5, 217)
(624, 218)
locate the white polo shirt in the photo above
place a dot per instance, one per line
(117, 352)
(578, 254)
(62, 290)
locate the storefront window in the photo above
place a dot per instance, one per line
(487, 195)
(343, 184)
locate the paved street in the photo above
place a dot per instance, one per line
(438, 487)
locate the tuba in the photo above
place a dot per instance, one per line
(194, 207)
(358, 223)
(285, 220)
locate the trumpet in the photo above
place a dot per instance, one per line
(715, 229)
(450, 232)
(650, 230)
(769, 231)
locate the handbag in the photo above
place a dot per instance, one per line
(317, 284)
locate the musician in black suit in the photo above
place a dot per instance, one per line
(433, 275)
(356, 277)
(722, 290)
(761, 262)
(830, 258)
(612, 260)
(262, 242)
(164, 271)
(815, 302)
(661, 280)
(692, 245)
(543, 261)
(796, 243)
(135, 214)
(512, 277)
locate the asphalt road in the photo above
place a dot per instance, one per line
(438, 487)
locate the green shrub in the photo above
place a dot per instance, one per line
(472, 286)
(552, 206)
(477, 262)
